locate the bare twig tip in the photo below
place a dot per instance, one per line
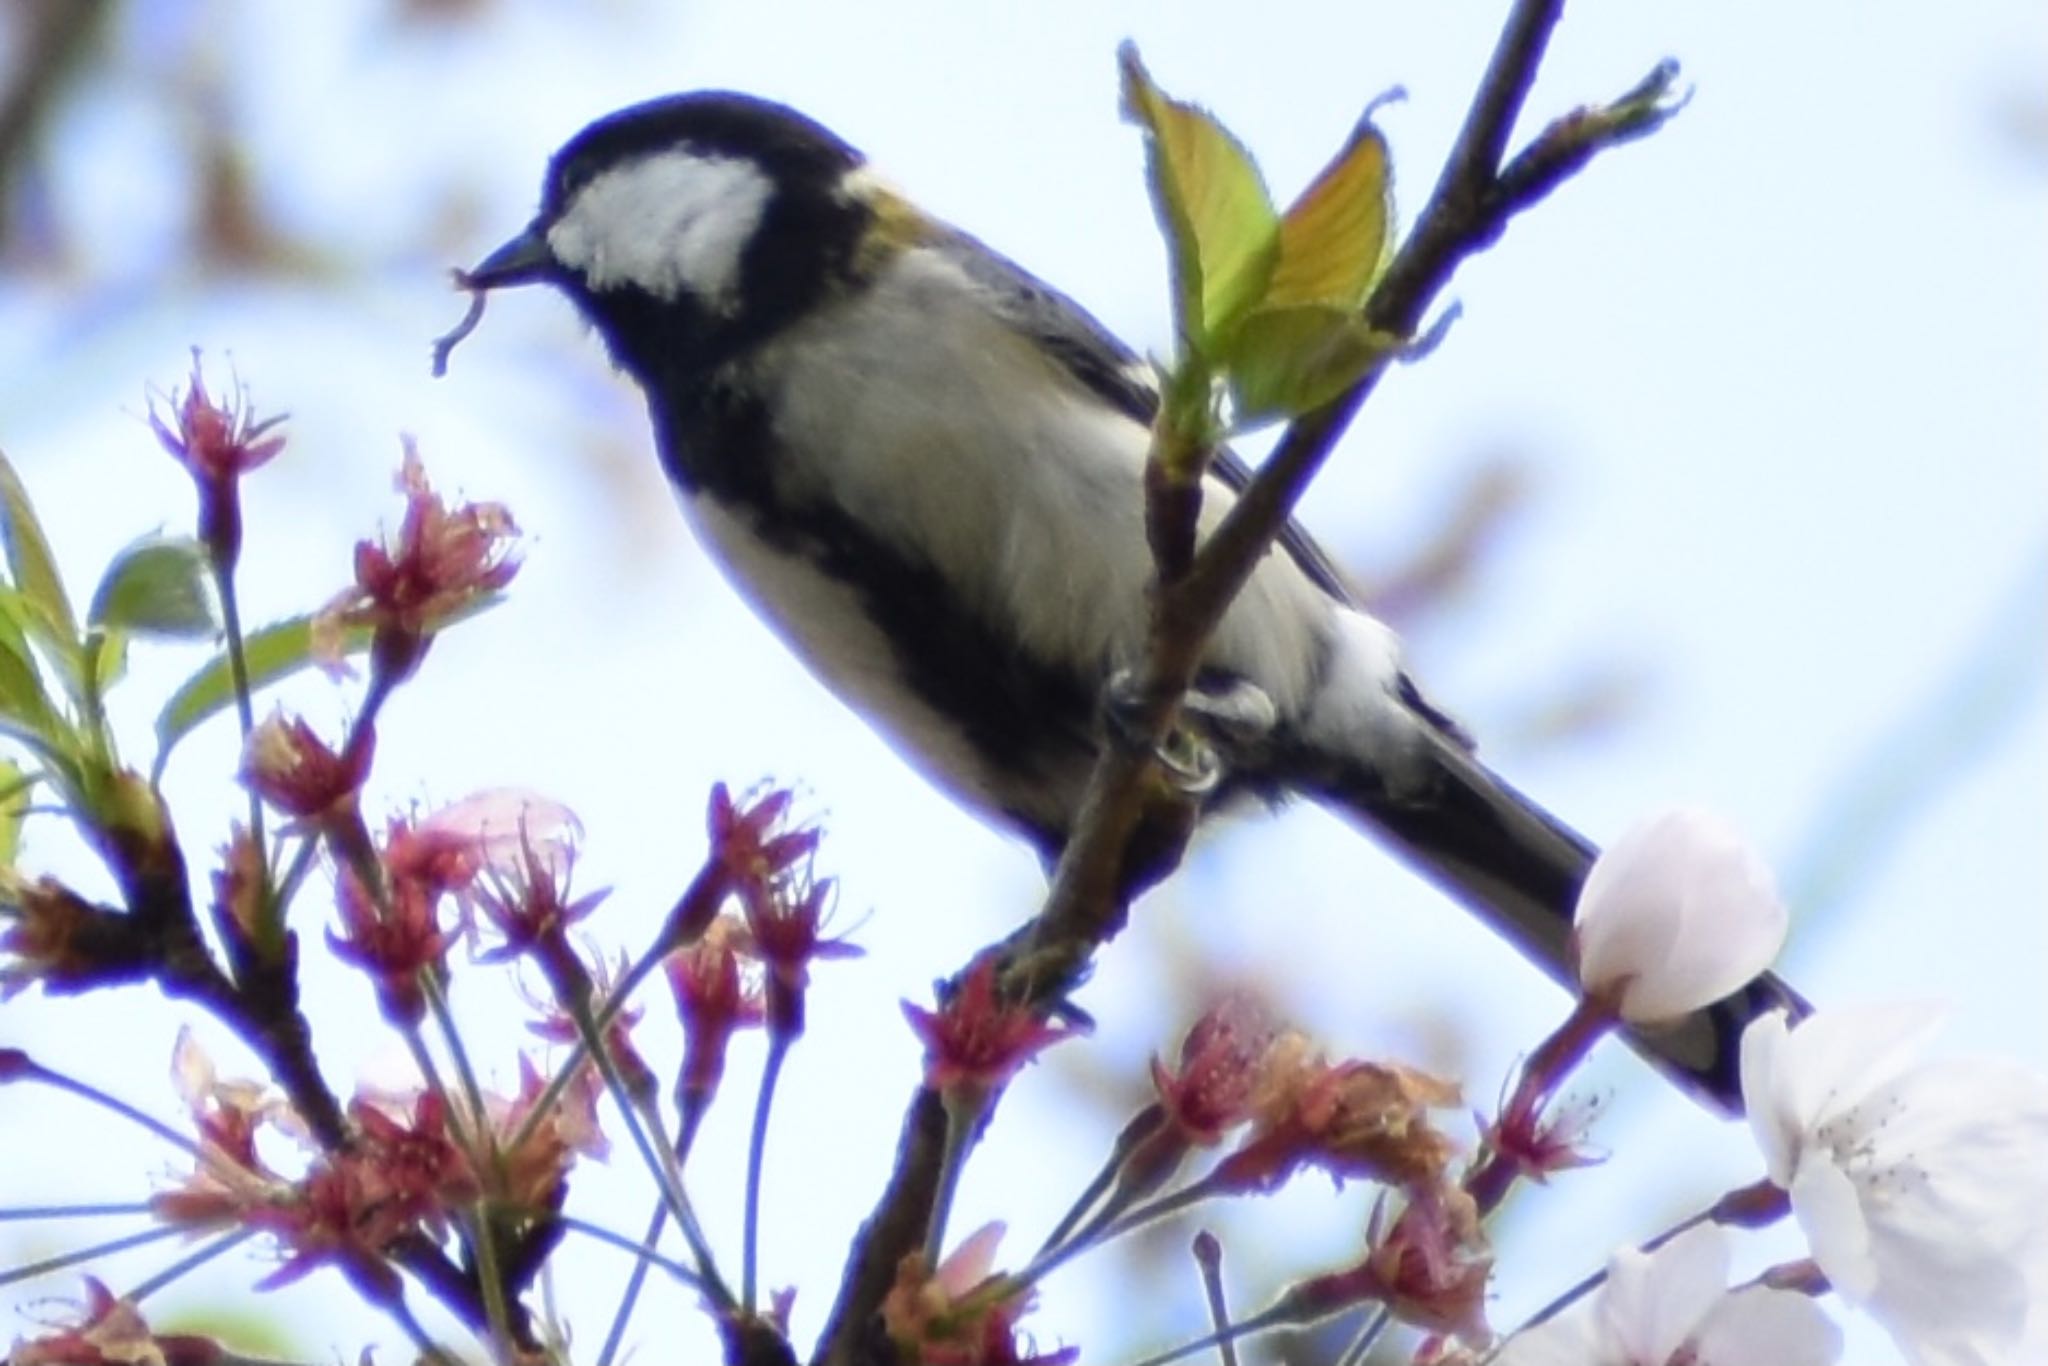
(1393, 94)
(1432, 336)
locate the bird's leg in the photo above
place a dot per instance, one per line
(1221, 720)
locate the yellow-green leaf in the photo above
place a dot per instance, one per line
(25, 707)
(15, 786)
(277, 651)
(1334, 238)
(157, 586)
(1221, 229)
(106, 654)
(1288, 361)
(24, 712)
(29, 561)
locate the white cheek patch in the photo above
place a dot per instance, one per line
(669, 224)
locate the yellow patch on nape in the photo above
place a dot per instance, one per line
(896, 223)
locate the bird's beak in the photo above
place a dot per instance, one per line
(525, 260)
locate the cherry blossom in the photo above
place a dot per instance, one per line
(1676, 914)
(975, 1041)
(1672, 1307)
(1919, 1183)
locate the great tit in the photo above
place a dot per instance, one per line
(923, 466)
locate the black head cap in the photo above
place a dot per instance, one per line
(690, 227)
(792, 148)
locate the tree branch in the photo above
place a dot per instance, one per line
(1120, 843)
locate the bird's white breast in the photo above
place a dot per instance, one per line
(919, 412)
(914, 410)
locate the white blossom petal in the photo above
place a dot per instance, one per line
(1756, 1324)
(1920, 1184)
(1655, 1300)
(1773, 1120)
(1570, 1339)
(191, 1069)
(1825, 1201)
(1673, 1306)
(509, 824)
(1675, 914)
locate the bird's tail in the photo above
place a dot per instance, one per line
(1519, 869)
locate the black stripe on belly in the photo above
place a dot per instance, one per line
(1031, 722)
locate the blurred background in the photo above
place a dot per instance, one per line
(1727, 488)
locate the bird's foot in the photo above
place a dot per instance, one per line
(1218, 719)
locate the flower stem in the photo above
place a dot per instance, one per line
(84, 1091)
(192, 1261)
(757, 1149)
(1272, 1318)
(490, 1282)
(1599, 1278)
(1209, 1260)
(579, 1053)
(638, 1123)
(1565, 1048)
(1107, 1229)
(38, 1213)
(646, 1254)
(1084, 1204)
(962, 1114)
(436, 993)
(28, 1271)
(1369, 1334)
(616, 1334)
(270, 918)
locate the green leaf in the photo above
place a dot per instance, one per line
(275, 652)
(1221, 230)
(13, 621)
(1284, 362)
(15, 785)
(158, 586)
(32, 566)
(106, 654)
(1334, 238)
(25, 707)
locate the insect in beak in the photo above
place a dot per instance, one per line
(524, 260)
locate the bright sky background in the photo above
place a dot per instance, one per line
(1774, 381)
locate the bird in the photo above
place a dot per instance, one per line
(923, 467)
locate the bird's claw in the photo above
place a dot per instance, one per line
(1226, 718)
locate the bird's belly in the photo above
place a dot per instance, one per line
(1002, 734)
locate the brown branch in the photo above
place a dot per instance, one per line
(1119, 843)
(157, 938)
(891, 1232)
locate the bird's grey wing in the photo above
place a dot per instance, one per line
(1230, 467)
(1092, 355)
